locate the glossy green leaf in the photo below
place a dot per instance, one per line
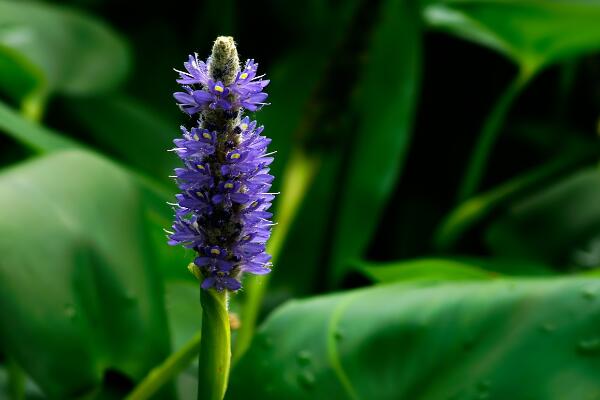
(431, 269)
(183, 310)
(533, 33)
(59, 49)
(80, 289)
(173, 261)
(451, 269)
(498, 340)
(30, 134)
(384, 104)
(559, 225)
(18, 77)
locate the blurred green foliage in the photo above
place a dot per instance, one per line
(386, 101)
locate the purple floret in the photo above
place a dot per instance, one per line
(224, 181)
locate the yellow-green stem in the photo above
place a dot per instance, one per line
(34, 105)
(478, 207)
(299, 173)
(297, 177)
(215, 348)
(16, 380)
(487, 138)
(162, 374)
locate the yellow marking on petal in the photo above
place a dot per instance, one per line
(216, 252)
(219, 88)
(196, 137)
(200, 166)
(244, 75)
(228, 186)
(235, 156)
(244, 126)
(206, 135)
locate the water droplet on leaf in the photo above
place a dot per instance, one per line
(130, 297)
(484, 385)
(267, 342)
(306, 379)
(589, 346)
(548, 327)
(589, 293)
(303, 357)
(70, 311)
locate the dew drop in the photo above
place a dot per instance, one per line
(70, 311)
(484, 385)
(547, 327)
(589, 346)
(304, 357)
(483, 389)
(267, 342)
(306, 379)
(589, 293)
(130, 297)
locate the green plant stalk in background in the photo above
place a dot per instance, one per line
(296, 179)
(16, 380)
(162, 374)
(489, 133)
(476, 208)
(215, 348)
(32, 109)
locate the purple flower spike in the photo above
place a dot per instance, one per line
(221, 211)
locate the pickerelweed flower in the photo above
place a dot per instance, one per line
(222, 210)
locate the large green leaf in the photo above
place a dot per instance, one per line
(384, 104)
(559, 225)
(80, 290)
(157, 212)
(31, 134)
(497, 340)
(431, 269)
(449, 269)
(533, 33)
(183, 310)
(56, 49)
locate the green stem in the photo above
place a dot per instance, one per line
(476, 208)
(297, 178)
(16, 380)
(215, 349)
(162, 374)
(487, 138)
(299, 173)
(34, 105)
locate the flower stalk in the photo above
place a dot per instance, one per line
(222, 210)
(215, 350)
